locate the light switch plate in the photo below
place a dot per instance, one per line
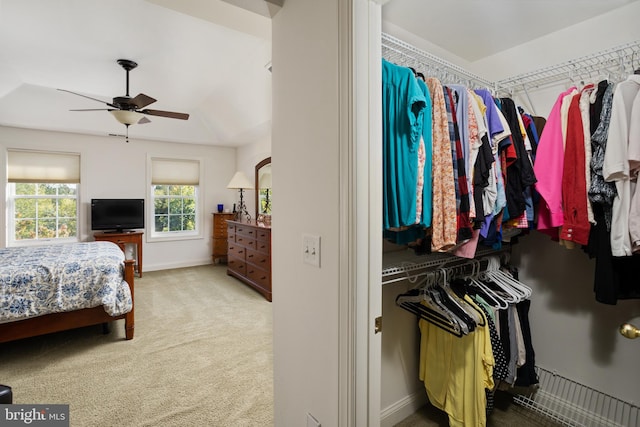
(311, 249)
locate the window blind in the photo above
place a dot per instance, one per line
(175, 172)
(37, 166)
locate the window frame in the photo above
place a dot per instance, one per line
(11, 221)
(41, 178)
(198, 233)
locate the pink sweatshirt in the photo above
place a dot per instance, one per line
(549, 168)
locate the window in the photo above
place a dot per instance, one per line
(42, 196)
(175, 208)
(175, 198)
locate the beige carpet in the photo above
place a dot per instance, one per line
(201, 356)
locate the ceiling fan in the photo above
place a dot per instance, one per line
(127, 110)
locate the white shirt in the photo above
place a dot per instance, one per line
(616, 162)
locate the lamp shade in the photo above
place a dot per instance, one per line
(265, 180)
(127, 117)
(240, 180)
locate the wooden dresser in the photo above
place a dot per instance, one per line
(219, 238)
(123, 239)
(250, 255)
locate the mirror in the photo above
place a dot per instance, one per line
(263, 189)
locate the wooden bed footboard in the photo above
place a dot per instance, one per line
(57, 322)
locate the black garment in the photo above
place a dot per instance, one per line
(615, 277)
(503, 316)
(596, 108)
(520, 173)
(481, 172)
(526, 373)
(539, 122)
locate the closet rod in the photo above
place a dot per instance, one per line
(617, 61)
(398, 266)
(404, 54)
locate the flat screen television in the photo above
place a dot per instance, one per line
(117, 215)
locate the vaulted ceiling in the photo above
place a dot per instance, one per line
(208, 58)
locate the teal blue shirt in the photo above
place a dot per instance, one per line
(403, 104)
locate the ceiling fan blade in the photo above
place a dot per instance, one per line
(142, 100)
(169, 114)
(93, 109)
(143, 121)
(88, 97)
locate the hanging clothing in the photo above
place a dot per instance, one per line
(600, 191)
(427, 136)
(403, 108)
(520, 173)
(456, 371)
(616, 162)
(444, 230)
(459, 170)
(634, 168)
(549, 168)
(576, 224)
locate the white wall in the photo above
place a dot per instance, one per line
(603, 32)
(305, 166)
(112, 168)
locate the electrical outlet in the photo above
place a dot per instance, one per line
(311, 249)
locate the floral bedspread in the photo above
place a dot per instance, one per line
(39, 280)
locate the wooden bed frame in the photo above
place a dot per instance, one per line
(70, 320)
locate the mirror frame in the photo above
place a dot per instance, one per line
(264, 162)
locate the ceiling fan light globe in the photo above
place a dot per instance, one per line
(127, 117)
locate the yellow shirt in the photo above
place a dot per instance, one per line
(456, 371)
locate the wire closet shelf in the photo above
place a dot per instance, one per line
(402, 53)
(616, 63)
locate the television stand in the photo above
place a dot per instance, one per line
(124, 238)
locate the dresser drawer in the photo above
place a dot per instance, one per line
(258, 258)
(263, 246)
(263, 235)
(259, 276)
(220, 228)
(245, 230)
(245, 240)
(237, 250)
(236, 265)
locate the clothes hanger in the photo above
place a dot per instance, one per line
(421, 302)
(472, 311)
(507, 281)
(490, 277)
(483, 291)
(452, 302)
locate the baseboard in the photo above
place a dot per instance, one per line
(169, 266)
(398, 411)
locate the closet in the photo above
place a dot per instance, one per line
(564, 313)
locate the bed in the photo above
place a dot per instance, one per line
(45, 289)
